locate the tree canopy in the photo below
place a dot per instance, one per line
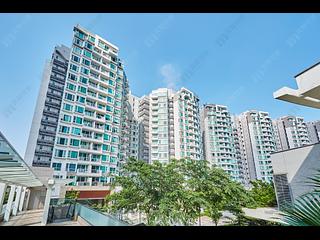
(176, 193)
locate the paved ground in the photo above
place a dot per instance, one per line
(33, 218)
(26, 218)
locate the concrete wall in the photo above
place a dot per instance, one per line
(298, 164)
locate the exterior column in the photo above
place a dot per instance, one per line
(16, 201)
(23, 194)
(28, 192)
(47, 202)
(3, 188)
(9, 203)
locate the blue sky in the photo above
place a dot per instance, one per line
(234, 59)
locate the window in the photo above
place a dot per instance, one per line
(72, 77)
(74, 142)
(73, 154)
(115, 140)
(89, 46)
(81, 99)
(64, 129)
(78, 42)
(84, 70)
(69, 96)
(109, 99)
(71, 86)
(116, 120)
(82, 89)
(83, 80)
(66, 118)
(117, 104)
(105, 158)
(62, 141)
(70, 167)
(109, 108)
(86, 62)
(77, 120)
(106, 137)
(76, 131)
(77, 50)
(60, 153)
(87, 53)
(67, 107)
(111, 82)
(92, 39)
(111, 74)
(107, 127)
(75, 58)
(105, 147)
(108, 117)
(112, 66)
(110, 90)
(56, 166)
(79, 109)
(74, 67)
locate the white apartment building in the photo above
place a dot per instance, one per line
(291, 132)
(314, 131)
(174, 125)
(219, 139)
(90, 128)
(258, 142)
(135, 126)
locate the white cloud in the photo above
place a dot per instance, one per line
(171, 76)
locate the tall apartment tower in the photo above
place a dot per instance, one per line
(219, 139)
(258, 141)
(187, 130)
(240, 149)
(314, 131)
(159, 117)
(292, 132)
(174, 125)
(135, 126)
(90, 127)
(45, 119)
(144, 140)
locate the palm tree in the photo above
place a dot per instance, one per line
(306, 209)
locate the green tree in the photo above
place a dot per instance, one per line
(177, 192)
(263, 194)
(72, 194)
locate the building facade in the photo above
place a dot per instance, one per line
(174, 125)
(219, 139)
(45, 119)
(144, 139)
(314, 131)
(91, 126)
(257, 139)
(292, 168)
(291, 132)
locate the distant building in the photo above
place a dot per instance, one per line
(292, 132)
(257, 142)
(47, 112)
(219, 139)
(314, 131)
